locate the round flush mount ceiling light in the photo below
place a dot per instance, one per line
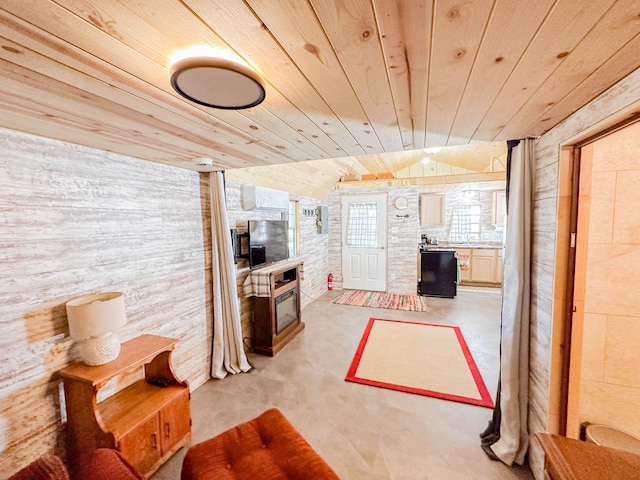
(217, 82)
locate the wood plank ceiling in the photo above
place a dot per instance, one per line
(345, 78)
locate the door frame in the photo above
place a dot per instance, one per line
(569, 178)
(383, 199)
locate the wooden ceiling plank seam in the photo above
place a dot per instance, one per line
(322, 126)
(139, 123)
(474, 63)
(352, 31)
(282, 179)
(616, 28)
(624, 60)
(560, 32)
(24, 119)
(397, 23)
(296, 26)
(241, 136)
(64, 98)
(498, 54)
(239, 122)
(456, 36)
(96, 87)
(262, 116)
(427, 107)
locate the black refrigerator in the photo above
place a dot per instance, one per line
(438, 272)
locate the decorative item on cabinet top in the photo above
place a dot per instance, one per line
(93, 320)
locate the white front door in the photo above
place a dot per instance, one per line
(364, 242)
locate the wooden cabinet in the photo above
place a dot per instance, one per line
(431, 210)
(276, 316)
(480, 265)
(483, 264)
(499, 208)
(570, 459)
(145, 422)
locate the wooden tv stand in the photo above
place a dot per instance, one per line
(145, 422)
(283, 286)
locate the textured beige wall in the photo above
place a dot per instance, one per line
(609, 385)
(610, 107)
(74, 220)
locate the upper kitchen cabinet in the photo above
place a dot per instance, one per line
(499, 207)
(431, 210)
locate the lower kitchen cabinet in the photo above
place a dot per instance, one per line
(480, 265)
(483, 265)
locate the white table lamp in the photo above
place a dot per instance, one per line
(94, 320)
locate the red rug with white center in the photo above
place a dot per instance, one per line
(420, 358)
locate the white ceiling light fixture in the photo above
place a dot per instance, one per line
(216, 81)
(432, 150)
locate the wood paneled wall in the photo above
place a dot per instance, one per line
(75, 220)
(612, 106)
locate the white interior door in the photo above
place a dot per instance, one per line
(364, 242)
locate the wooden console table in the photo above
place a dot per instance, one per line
(570, 459)
(276, 318)
(146, 422)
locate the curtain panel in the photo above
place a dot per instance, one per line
(507, 437)
(227, 352)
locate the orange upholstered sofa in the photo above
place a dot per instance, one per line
(105, 464)
(267, 447)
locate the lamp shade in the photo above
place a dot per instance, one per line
(95, 315)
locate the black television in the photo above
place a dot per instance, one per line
(268, 242)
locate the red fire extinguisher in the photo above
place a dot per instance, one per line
(330, 282)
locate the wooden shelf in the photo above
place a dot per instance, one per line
(135, 404)
(133, 354)
(147, 423)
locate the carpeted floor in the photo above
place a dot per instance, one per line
(430, 360)
(363, 298)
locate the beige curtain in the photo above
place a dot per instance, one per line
(227, 350)
(507, 437)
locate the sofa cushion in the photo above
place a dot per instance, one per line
(267, 447)
(107, 464)
(45, 468)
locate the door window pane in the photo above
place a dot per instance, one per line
(362, 223)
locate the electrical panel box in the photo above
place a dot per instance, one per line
(322, 219)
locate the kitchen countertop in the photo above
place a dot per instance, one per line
(436, 248)
(471, 245)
